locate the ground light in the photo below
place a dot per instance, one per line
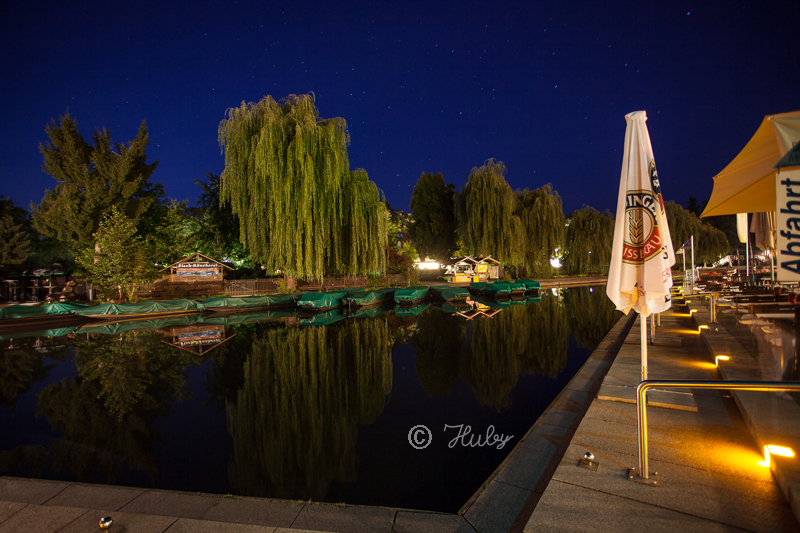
(773, 449)
(719, 358)
(692, 311)
(701, 328)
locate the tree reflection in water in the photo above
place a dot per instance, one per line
(294, 421)
(530, 339)
(106, 412)
(591, 314)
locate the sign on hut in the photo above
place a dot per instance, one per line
(196, 267)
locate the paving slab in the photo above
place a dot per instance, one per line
(562, 508)
(94, 496)
(254, 511)
(165, 503)
(416, 522)
(9, 508)
(191, 525)
(351, 518)
(123, 522)
(497, 508)
(41, 519)
(29, 491)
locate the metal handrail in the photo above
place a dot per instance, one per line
(641, 404)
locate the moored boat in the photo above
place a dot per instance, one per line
(448, 293)
(369, 298)
(324, 301)
(531, 287)
(410, 296)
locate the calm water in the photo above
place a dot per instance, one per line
(283, 409)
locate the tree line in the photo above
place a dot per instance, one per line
(287, 202)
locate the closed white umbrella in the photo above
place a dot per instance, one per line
(640, 275)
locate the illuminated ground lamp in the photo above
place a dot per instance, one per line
(701, 328)
(692, 311)
(773, 449)
(719, 358)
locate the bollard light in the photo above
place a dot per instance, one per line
(719, 358)
(774, 449)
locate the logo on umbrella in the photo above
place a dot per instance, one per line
(643, 240)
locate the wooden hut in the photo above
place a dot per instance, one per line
(196, 267)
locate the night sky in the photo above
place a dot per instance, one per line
(424, 86)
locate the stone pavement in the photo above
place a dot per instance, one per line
(706, 460)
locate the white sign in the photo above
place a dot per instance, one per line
(787, 199)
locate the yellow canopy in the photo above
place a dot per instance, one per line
(747, 184)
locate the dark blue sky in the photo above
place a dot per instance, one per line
(424, 86)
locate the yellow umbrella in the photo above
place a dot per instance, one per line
(747, 184)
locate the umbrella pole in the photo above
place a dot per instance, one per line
(643, 329)
(694, 274)
(652, 329)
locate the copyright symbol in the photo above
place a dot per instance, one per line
(420, 437)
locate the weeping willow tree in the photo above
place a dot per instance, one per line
(542, 217)
(521, 229)
(709, 242)
(591, 315)
(287, 177)
(294, 421)
(485, 214)
(590, 237)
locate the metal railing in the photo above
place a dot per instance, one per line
(641, 404)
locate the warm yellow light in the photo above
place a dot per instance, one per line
(774, 449)
(701, 328)
(692, 311)
(719, 358)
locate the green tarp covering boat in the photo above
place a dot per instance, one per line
(446, 292)
(325, 300)
(530, 284)
(370, 298)
(107, 310)
(28, 311)
(410, 294)
(402, 310)
(243, 302)
(504, 288)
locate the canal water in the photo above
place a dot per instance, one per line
(402, 410)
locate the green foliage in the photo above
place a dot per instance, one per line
(484, 211)
(709, 243)
(91, 179)
(288, 180)
(590, 237)
(434, 225)
(14, 244)
(218, 231)
(174, 236)
(117, 259)
(543, 227)
(521, 229)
